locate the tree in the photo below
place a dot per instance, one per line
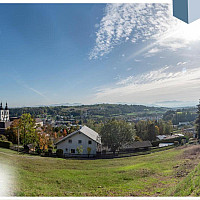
(89, 151)
(151, 132)
(157, 130)
(96, 126)
(27, 129)
(79, 149)
(168, 128)
(43, 141)
(12, 132)
(141, 130)
(198, 121)
(115, 134)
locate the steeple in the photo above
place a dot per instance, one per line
(6, 108)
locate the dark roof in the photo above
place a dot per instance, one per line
(5, 124)
(137, 145)
(38, 120)
(6, 108)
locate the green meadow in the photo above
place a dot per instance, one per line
(157, 174)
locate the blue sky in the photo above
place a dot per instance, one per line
(97, 53)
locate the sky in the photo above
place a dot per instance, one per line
(138, 53)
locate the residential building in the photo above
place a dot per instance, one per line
(84, 138)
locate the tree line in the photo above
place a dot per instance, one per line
(114, 133)
(180, 115)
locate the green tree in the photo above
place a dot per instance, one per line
(79, 149)
(27, 129)
(198, 121)
(168, 128)
(12, 132)
(141, 130)
(89, 151)
(151, 132)
(115, 134)
(94, 125)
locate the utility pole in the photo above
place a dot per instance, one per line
(18, 138)
(198, 121)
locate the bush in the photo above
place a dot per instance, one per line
(5, 144)
(59, 153)
(3, 138)
(176, 143)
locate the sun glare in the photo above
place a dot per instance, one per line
(5, 180)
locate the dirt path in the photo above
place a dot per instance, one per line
(20, 155)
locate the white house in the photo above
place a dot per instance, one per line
(82, 138)
(184, 123)
(39, 122)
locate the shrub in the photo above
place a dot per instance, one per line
(5, 144)
(38, 150)
(176, 143)
(3, 138)
(59, 153)
(79, 149)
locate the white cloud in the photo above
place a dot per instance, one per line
(129, 69)
(158, 85)
(141, 22)
(181, 63)
(136, 60)
(154, 50)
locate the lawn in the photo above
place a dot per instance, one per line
(148, 175)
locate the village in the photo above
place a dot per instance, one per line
(59, 138)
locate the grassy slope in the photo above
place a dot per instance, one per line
(147, 175)
(190, 186)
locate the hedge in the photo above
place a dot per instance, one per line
(5, 144)
(59, 153)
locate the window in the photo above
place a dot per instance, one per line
(66, 149)
(70, 141)
(72, 150)
(89, 142)
(80, 141)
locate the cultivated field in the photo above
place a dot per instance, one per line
(158, 174)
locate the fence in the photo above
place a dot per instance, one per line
(107, 155)
(110, 155)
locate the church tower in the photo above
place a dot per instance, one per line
(1, 113)
(4, 113)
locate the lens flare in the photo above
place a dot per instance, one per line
(6, 180)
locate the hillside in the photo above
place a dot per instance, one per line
(91, 111)
(190, 186)
(149, 175)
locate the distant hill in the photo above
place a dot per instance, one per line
(90, 111)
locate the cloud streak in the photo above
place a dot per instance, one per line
(156, 85)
